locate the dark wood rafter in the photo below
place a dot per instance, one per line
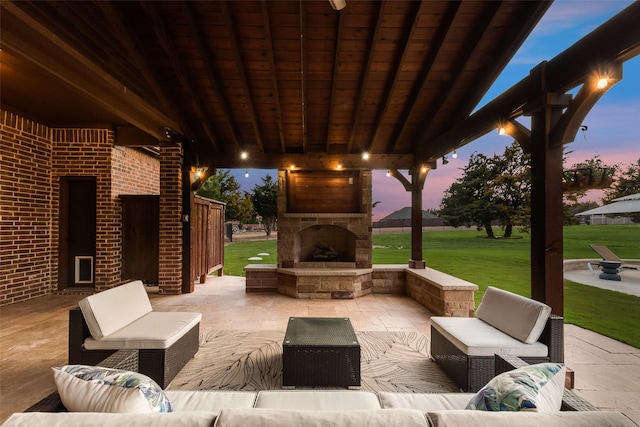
(244, 81)
(25, 36)
(129, 40)
(207, 62)
(357, 118)
(497, 63)
(274, 74)
(473, 38)
(397, 70)
(571, 68)
(430, 60)
(181, 73)
(334, 80)
(304, 73)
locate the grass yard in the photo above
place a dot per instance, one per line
(503, 263)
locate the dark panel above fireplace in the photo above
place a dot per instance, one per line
(323, 192)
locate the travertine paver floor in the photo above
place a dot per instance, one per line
(33, 337)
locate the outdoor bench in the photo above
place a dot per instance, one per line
(122, 318)
(506, 323)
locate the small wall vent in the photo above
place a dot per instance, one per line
(84, 269)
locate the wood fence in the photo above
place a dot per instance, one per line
(207, 238)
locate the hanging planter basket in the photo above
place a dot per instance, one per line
(582, 179)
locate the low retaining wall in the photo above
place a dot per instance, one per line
(441, 293)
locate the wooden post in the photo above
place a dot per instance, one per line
(546, 198)
(417, 183)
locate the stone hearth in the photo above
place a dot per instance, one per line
(324, 283)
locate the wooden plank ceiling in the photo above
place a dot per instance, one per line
(279, 79)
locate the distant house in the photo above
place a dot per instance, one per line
(402, 218)
(618, 212)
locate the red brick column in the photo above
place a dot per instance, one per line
(170, 274)
(87, 152)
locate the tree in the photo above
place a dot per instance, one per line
(222, 186)
(491, 188)
(265, 202)
(511, 188)
(465, 202)
(627, 182)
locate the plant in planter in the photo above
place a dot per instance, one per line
(588, 175)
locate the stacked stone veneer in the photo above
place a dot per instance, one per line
(324, 283)
(442, 294)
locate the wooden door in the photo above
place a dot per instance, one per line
(77, 249)
(140, 238)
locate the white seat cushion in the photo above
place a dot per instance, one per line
(425, 402)
(530, 419)
(210, 401)
(155, 330)
(95, 419)
(313, 400)
(113, 309)
(522, 318)
(474, 337)
(289, 418)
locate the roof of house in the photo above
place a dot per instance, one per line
(627, 204)
(405, 213)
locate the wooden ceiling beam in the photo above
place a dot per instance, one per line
(427, 67)
(317, 161)
(304, 75)
(366, 77)
(244, 81)
(473, 39)
(397, 66)
(334, 79)
(274, 73)
(207, 61)
(129, 40)
(616, 40)
(183, 77)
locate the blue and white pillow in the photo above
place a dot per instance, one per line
(93, 389)
(536, 387)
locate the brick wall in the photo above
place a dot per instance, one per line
(26, 269)
(33, 159)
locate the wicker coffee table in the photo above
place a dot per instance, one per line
(320, 351)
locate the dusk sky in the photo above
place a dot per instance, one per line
(613, 124)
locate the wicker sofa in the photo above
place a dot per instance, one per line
(284, 408)
(122, 318)
(505, 323)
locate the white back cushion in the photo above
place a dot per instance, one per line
(522, 318)
(113, 309)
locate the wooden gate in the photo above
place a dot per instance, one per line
(207, 238)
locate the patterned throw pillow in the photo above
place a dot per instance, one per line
(532, 388)
(94, 389)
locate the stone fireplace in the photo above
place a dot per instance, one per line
(324, 233)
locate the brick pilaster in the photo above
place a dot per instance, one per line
(170, 274)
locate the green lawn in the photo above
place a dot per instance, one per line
(503, 263)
